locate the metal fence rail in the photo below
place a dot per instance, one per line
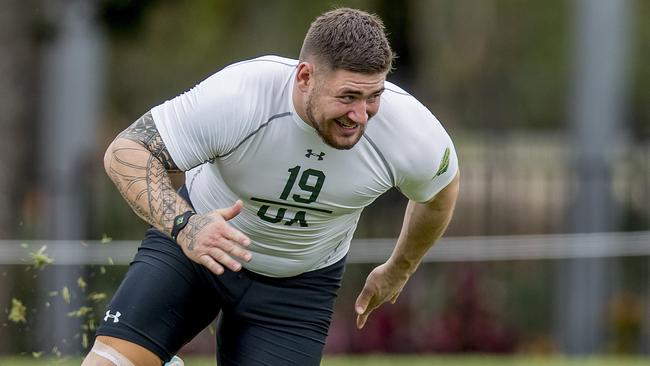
(480, 248)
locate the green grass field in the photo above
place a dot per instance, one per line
(381, 360)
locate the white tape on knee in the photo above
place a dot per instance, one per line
(110, 354)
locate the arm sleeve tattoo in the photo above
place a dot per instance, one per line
(144, 131)
(141, 175)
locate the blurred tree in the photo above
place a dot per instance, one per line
(492, 66)
(640, 75)
(18, 47)
(123, 17)
(71, 108)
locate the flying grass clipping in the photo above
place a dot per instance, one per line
(39, 260)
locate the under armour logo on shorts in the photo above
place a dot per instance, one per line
(116, 317)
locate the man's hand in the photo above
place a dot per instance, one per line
(209, 240)
(383, 284)
(424, 224)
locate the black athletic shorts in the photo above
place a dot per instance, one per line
(166, 299)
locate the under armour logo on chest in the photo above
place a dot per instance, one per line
(115, 317)
(310, 153)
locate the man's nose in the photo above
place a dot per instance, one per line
(359, 112)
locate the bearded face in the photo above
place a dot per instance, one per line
(340, 103)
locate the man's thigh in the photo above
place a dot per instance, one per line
(164, 300)
(279, 321)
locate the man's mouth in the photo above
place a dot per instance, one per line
(346, 124)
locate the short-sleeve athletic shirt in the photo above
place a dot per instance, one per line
(238, 136)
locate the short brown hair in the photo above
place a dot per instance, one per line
(349, 39)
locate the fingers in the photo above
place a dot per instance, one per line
(362, 307)
(236, 236)
(361, 319)
(237, 251)
(223, 259)
(362, 301)
(216, 260)
(232, 211)
(211, 264)
(219, 245)
(230, 232)
(369, 301)
(228, 254)
(231, 248)
(229, 245)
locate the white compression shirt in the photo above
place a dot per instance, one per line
(237, 136)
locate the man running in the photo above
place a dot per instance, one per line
(280, 157)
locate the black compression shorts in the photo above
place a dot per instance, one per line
(166, 299)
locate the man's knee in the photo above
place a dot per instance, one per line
(104, 355)
(109, 351)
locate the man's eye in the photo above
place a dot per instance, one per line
(347, 98)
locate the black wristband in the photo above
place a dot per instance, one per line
(180, 222)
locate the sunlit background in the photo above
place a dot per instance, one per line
(546, 101)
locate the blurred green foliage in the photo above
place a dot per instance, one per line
(640, 77)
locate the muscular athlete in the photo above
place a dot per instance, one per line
(280, 158)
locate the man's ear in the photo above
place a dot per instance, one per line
(305, 76)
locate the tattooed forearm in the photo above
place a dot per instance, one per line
(138, 163)
(196, 224)
(144, 131)
(146, 187)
